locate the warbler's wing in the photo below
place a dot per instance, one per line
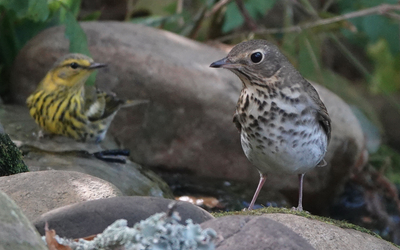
(112, 105)
(95, 103)
(100, 105)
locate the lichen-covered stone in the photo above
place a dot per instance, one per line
(160, 231)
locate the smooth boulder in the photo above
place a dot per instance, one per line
(92, 217)
(39, 192)
(16, 232)
(188, 122)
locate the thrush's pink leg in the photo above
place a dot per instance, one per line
(300, 206)
(263, 177)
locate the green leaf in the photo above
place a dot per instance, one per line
(36, 10)
(386, 75)
(76, 36)
(377, 27)
(258, 8)
(371, 28)
(77, 40)
(310, 57)
(233, 18)
(93, 16)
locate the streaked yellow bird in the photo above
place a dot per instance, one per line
(63, 105)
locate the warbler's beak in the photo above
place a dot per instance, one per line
(224, 63)
(97, 65)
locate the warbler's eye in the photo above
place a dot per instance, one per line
(256, 57)
(74, 65)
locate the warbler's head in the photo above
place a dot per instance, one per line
(70, 70)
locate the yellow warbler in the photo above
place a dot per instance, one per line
(63, 105)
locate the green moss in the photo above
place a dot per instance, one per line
(270, 210)
(10, 157)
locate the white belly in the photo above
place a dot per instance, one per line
(291, 155)
(283, 142)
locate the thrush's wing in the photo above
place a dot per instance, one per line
(236, 122)
(322, 112)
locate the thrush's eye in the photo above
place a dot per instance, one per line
(256, 57)
(74, 65)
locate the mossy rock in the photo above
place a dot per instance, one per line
(10, 156)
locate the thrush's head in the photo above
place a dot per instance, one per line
(70, 70)
(255, 60)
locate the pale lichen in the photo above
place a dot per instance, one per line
(161, 231)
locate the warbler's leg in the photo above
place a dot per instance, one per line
(114, 152)
(113, 155)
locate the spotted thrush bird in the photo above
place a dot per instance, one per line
(284, 126)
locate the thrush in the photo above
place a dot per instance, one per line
(284, 126)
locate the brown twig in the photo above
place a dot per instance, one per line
(380, 9)
(247, 18)
(216, 7)
(327, 5)
(393, 15)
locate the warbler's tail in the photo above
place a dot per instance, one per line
(131, 103)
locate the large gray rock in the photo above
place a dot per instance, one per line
(16, 232)
(329, 237)
(188, 123)
(92, 217)
(39, 192)
(61, 153)
(254, 232)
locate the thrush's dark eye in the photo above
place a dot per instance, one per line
(256, 57)
(74, 65)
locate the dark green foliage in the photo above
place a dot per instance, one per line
(20, 20)
(234, 18)
(10, 157)
(387, 160)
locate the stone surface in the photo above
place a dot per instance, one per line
(39, 192)
(92, 217)
(61, 153)
(16, 232)
(188, 123)
(254, 232)
(328, 237)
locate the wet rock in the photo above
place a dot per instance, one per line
(39, 192)
(92, 217)
(326, 236)
(16, 232)
(61, 153)
(254, 232)
(188, 122)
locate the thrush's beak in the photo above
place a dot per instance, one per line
(224, 63)
(97, 65)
